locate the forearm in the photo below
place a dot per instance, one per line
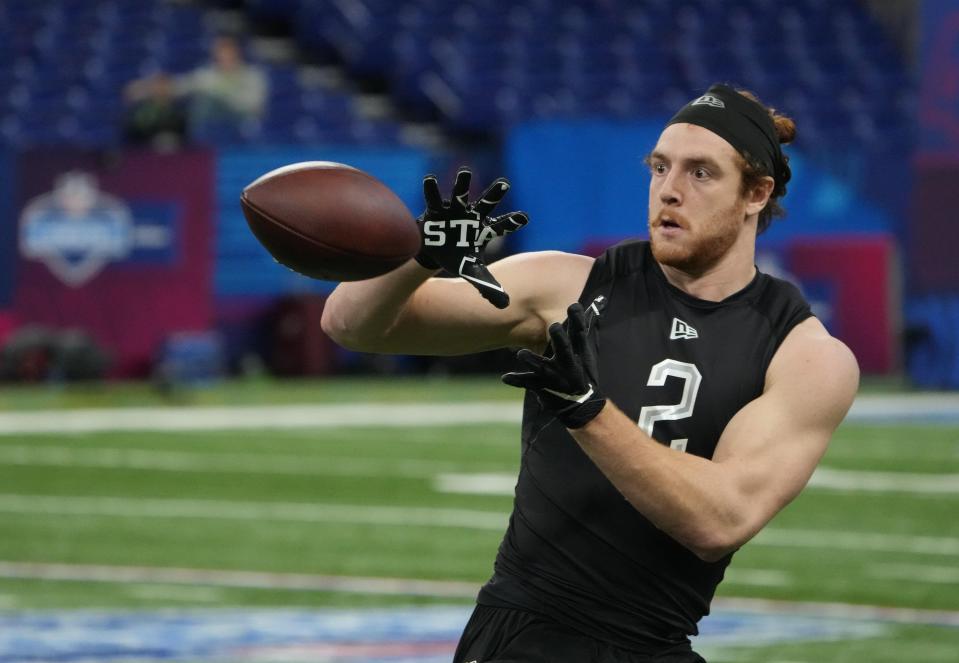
(360, 314)
(686, 496)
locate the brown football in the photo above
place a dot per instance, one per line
(330, 221)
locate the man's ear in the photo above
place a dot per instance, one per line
(758, 196)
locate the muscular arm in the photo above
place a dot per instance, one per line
(406, 311)
(764, 457)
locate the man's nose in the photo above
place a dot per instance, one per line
(669, 192)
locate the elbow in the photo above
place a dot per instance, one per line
(715, 543)
(341, 322)
(722, 531)
(335, 325)
(712, 553)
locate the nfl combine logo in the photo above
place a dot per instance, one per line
(682, 330)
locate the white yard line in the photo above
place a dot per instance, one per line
(199, 461)
(272, 417)
(415, 587)
(840, 610)
(885, 482)
(300, 582)
(757, 577)
(475, 483)
(940, 575)
(845, 540)
(902, 408)
(127, 507)
(445, 479)
(174, 592)
(874, 408)
(825, 478)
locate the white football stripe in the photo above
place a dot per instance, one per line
(302, 165)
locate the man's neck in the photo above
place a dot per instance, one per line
(733, 272)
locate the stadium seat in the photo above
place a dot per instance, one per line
(481, 66)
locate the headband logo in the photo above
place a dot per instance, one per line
(709, 100)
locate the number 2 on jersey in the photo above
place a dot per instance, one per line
(650, 414)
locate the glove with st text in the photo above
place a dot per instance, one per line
(455, 232)
(566, 383)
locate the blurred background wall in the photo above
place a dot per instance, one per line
(124, 252)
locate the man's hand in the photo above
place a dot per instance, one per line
(566, 383)
(455, 232)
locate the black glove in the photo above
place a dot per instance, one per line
(455, 232)
(566, 383)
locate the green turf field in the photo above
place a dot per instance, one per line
(375, 501)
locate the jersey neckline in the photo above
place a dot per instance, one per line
(740, 295)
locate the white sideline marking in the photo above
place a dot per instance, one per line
(825, 478)
(944, 575)
(843, 540)
(840, 610)
(757, 577)
(415, 587)
(389, 415)
(866, 409)
(489, 483)
(884, 482)
(445, 480)
(192, 593)
(911, 407)
(126, 507)
(297, 582)
(243, 463)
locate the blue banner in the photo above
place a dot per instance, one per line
(584, 183)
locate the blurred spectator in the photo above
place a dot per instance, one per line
(224, 93)
(156, 118)
(35, 353)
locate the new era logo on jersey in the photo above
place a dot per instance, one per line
(682, 330)
(710, 100)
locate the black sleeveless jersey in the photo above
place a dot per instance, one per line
(680, 367)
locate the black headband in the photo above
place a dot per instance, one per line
(742, 123)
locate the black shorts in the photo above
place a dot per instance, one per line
(501, 635)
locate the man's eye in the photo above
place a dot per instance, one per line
(659, 168)
(700, 173)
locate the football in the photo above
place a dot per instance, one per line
(330, 221)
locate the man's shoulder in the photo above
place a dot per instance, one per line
(811, 356)
(626, 257)
(811, 338)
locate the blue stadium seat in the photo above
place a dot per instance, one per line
(478, 66)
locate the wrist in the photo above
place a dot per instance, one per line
(578, 416)
(426, 262)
